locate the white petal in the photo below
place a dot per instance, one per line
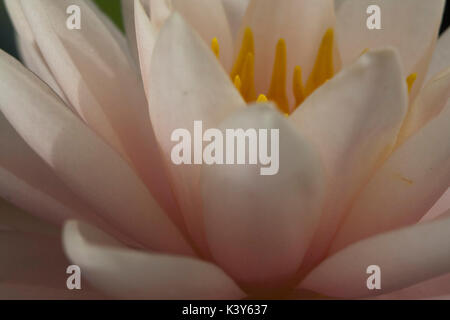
(186, 84)
(82, 161)
(99, 79)
(405, 188)
(354, 120)
(431, 100)
(301, 23)
(209, 19)
(259, 226)
(126, 273)
(235, 10)
(411, 26)
(406, 257)
(441, 55)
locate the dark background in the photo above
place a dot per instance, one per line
(7, 42)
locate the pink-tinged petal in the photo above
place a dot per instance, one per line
(406, 257)
(411, 26)
(82, 160)
(301, 23)
(160, 11)
(441, 55)
(354, 120)
(93, 67)
(431, 100)
(209, 19)
(439, 208)
(32, 263)
(429, 289)
(235, 10)
(131, 274)
(186, 84)
(128, 14)
(27, 181)
(405, 187)
(33, 60)
(259, 226)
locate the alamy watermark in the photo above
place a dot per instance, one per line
(236, 146)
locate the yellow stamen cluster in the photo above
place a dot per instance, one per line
(243, 72)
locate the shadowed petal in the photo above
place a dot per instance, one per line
(93, 67)
(82, 161)
(126, 273)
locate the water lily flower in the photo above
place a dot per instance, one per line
(363, 117)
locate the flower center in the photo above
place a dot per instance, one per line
(243, 72)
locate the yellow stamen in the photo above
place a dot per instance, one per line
(215, 47)
(237, 83)
(277, 91)
(297, 86)
(324, 67)
(248, 79)
(247, 47)
(364, 52)
(262, 98)
(410, 80)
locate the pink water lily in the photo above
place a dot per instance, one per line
(364, 150)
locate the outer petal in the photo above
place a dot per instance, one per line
(146, 34)
(405, 188)
(187, 84)
(235, 10)
(82, 161)
(27, 181)
(259, 226)
(125, 273)
(128, 14)
(354, 120)
(411, 26)
(93, 67)
(432, 99)
(301, 23)
(209, 19)
(32, 264)
(406, 257)
(441, 55)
